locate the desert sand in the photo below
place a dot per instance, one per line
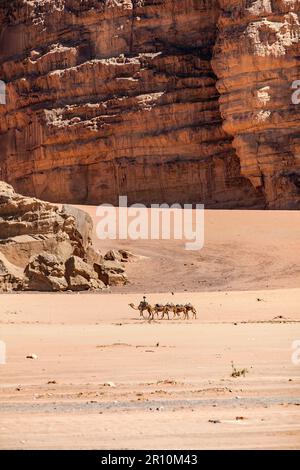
(106, 379)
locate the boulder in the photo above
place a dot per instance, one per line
(119, 255)
(112, 273)
(81, 276)
(46, 272)
(93, 256)
(82, 226)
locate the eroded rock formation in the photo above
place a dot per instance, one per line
(119, 97)
(45, 248)
(257, 59)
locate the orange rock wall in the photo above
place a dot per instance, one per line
(121, 97)
(257, 60)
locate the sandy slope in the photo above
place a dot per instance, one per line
(172, 377)
(243, 250)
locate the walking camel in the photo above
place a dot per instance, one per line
(165, 310)
(144, 307)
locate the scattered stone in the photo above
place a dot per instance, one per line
(214, 421)
(32, 356)
(109, 384)
(111, 273)
(166, 382)
(122, 256)
(50, 382)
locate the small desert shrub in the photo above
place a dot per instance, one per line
(238, 372)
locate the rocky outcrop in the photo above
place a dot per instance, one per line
(46, 272)
(45, 248)
(82, 276)
(256, 59)
(109, 98)
(29, 226)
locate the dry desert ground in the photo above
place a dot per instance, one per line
(106, 379)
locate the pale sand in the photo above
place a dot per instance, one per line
(243, 250)
(171, 377)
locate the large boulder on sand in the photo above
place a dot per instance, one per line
(81, 276)
(46, 272)
(112, 273)
(119, 255)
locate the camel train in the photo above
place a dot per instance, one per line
(165, 310)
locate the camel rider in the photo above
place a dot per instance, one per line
(143, 303)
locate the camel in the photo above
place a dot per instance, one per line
(144, 307)
(163, 309)
(176, 309)
(185, 309)
(190, 308)
(172, 308)
(180, 309)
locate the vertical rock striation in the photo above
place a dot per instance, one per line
(119, 97)
(257, 59)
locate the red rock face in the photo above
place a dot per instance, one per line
(257, 60)
(109, 98)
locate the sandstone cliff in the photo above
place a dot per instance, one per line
(119, 97)
(257, 59)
